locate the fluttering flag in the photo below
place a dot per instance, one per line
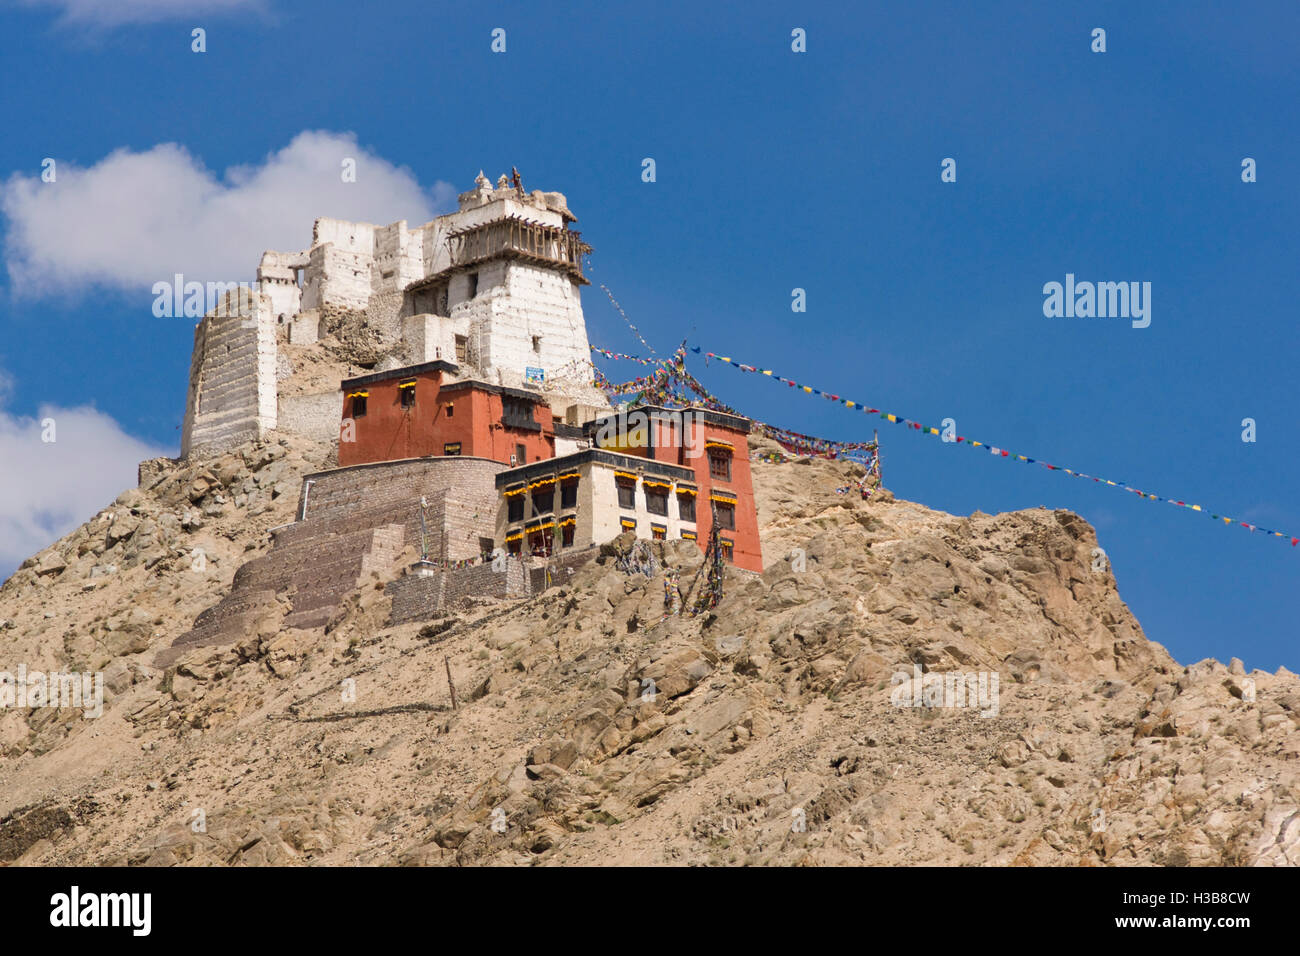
(996, 452)
(671, 386)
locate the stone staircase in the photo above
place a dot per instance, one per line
(316, 564)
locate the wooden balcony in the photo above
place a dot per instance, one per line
(516, 238)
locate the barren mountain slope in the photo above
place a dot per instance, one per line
(768, 735)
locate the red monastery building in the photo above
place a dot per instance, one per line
(491, 441)
(715, 446)
(661, 472)
(421, 410)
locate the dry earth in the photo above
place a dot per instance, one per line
(770, 737)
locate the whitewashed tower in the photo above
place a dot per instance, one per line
(494, 287)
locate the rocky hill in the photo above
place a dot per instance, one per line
(591, 729)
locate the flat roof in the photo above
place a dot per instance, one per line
(438, 365)
(473, 383)
(395, 461)
(659, 412)
(565, 430)
(596, 456)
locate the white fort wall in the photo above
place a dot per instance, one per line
(525, 316)
(431, 337)
(399, 258)
(513, 315)
(312, 416)
(232, 392)
(338, 276)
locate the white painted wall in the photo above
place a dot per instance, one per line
(232, 392)
(522, 316)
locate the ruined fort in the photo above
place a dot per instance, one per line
(447, 369)
(493, 288)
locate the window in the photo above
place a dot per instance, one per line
(358, 406)
(521, 454)
(539, 542)
(516, 546)
(727, 548)
(658, 532)
(566, 535)
(544, 500)
(451, 409)
(569, 494)
(472, 289)
(627, 524)
(656, 500)
(451, 448)
(686, 507)
(518, 413)
(726, 515)
(688, 535)
(462, 348)
(515, 508)
(537, 344)
(626, 494)
(719, 464)
(485, 547)
(407, 391)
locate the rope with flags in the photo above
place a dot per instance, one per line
(671, 385)
(994, 450)
(635, 330)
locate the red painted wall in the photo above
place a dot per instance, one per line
(669, 447)
(469, 415)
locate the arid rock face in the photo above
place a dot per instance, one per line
(591, 729)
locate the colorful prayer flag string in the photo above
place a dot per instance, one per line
(635, 330)
(994, 450)
(672, 386)
(631, 358)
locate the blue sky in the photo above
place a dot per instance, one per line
(775, 170)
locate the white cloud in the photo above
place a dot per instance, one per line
(114, 12)
(133, 219)
(49, 488)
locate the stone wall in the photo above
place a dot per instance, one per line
(430, 338)
(384, 315)
(418, 597)
(398, 257)
(560, 567)
(338, 490)
(338, 272)
(316, 563)
(516, 304)
(460, 491)
(316, 416)
(232, 389)
(359, 520)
